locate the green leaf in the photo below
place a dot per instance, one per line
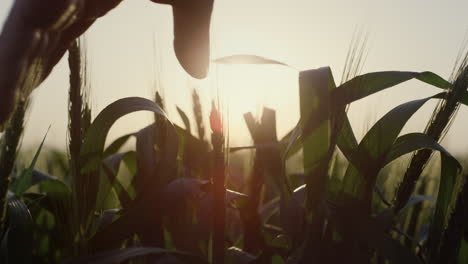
(147, 176)
(92, 151)
(37, 177)
(25, 180)
(372, 151)
(247, 59)
(449, 171)
(156, 147)
(314, 95)
(152, 171)
(19, 237)
(184, 118)
(346, 140)
(292, 140)
(124, 254)
(115, 146)
(93, 144)
(50, 185)
(315, 87)
(111, 167)
(370, 83)
(413, 142)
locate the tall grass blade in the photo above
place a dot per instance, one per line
(373, 149)
(315, 87)
(25, 180)
(92, 151)
(346, 140)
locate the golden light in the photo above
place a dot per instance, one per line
(243, 88)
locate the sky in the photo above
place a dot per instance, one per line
(130, 53)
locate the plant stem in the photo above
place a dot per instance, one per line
(453, 234)
(10, 142)
(219, 199)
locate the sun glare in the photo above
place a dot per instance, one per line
(249, 88)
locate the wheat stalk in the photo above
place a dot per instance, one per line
(436, 128)
(9, 146)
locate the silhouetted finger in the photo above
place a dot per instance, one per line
(192, 34)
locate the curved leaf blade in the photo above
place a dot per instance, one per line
(93, 144)
(372, 151)
(247, 59)
(413, 142)
(449, 172)
(370, 83)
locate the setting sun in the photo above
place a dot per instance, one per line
(233, 132)
(246, 88)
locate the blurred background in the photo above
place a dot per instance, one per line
(130, 53)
